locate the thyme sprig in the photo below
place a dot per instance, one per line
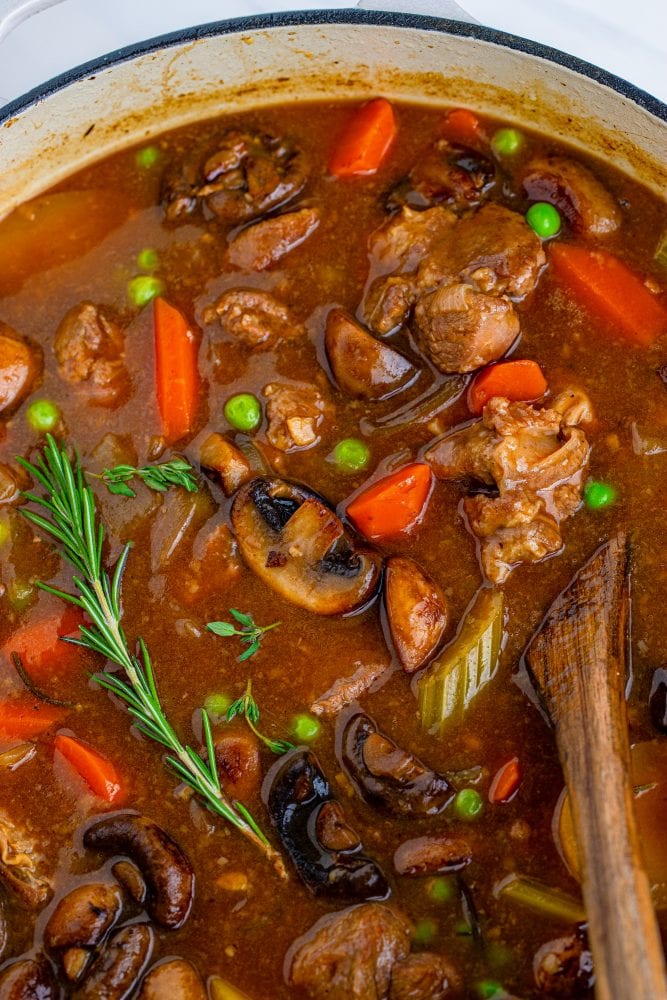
(71, 519)
(160, 477)
(249, 633)
(247, 707)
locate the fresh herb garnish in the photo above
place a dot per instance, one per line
(73, 522)
(160, 477)
(249, 633)
(247, 707)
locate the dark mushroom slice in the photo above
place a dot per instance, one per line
(174, 979)
(28, 979)
(416, 612)
(167, 871)
(80, 922)
(298, 546)
(228, 462)
(571, 187)
(363, 366)
(386, 775)
(433, 855)
(424, 976)
(116, 972)
(564, 967)
(325, 850)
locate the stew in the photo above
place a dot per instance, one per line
(306, 417)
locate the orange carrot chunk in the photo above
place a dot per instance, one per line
(40, 646)
(610, 291)
(394, 504)
(464, 128)
(520, 381)
(506, 781)
(176, 371)
(365, 140)
(26, 718)
(99, 773)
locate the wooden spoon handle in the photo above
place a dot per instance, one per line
(578, 661)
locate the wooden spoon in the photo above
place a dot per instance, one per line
(577, 661)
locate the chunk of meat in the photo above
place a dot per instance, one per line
(446, 174)
(345, 690)
(294, 412)
(20, 367)
(401, 243)
(388, 303)
(461, 329)
(264, 243)
(584, 201)
(424, 976)
(89, 349)
(256, 318)
(350, 956)
(363, 366)
(536, 458)
(432, 855)
(564, 967)
(20, 864)
(246, 174)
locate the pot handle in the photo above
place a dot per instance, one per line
(432, 8)
(14, 12)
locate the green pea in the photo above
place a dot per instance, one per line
(306, 728)
(43, 415)
(20, 593)
(216, 705)
(147, 259)
(243, 411)
(490, 988)
(147, 157)
(143, 289)
(506, 141)
(598, 495)
(441, 890)
(425, 931)
(351, 455)
(468, 804)
(543, 219)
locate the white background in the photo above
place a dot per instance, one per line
(628, 37)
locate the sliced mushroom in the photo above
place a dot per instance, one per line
(28, 979)
(81, 921)
(175, 979)
(564, 967)
(424, 976)
(266, 242)
(387, 776)
(362, 365)
(166, 869)
(238, 762)
(416, 612)
(312, 828)
(117, 971)
(225, 459)
(437, 854)
(299, 547)
(583, 200)
(131, 880)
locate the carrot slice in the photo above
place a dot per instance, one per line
(515, 380)
(394, 504)
(506, 781)
(99, 773)
(23, 718)
(464, 127)
(365, 140)
(40, 645)
(176, 371)
(611, 291)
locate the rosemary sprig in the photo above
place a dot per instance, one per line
(247, 706)
(72, 521)
(250, 633)
(160, 477)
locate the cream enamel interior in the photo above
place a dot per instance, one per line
(140, 97)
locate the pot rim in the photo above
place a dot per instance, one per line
(259, 22)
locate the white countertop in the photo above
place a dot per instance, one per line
(629, 39)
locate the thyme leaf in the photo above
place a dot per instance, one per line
(250, 634)
(160, 477)
(246, 707)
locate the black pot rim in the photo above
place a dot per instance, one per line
(339, 16)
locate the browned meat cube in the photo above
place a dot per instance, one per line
(264, 243)
(20, 366)
(89, 349)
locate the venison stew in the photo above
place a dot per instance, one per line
(308, 414)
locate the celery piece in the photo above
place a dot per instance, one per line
(448, 686)
(540, 898)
